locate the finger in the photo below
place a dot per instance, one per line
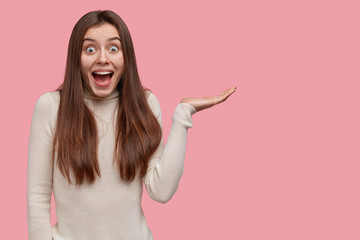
(228, 91)
(224, 95)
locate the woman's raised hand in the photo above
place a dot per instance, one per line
(207, 102)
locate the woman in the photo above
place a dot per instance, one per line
(96, 140)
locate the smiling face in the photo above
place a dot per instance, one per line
(102, 60)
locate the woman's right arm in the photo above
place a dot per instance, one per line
(40, 170)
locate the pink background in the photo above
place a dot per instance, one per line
(278, 160)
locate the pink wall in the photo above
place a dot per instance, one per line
(279, 160)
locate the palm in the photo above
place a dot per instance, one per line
(207, 102)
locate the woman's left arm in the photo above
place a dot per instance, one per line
(166, 164)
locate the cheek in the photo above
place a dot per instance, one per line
(119, 61)
(84, 65)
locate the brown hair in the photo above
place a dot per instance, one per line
(138, 132)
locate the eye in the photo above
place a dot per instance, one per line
(90, 49)
(113, 49)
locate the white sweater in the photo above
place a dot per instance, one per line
(109, 208)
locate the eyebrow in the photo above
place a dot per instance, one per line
(109, 39)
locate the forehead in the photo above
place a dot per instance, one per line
(102, 31)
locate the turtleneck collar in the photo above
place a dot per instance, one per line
(113, 95)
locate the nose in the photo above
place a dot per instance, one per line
(103, 58)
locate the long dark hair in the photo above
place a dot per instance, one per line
(138, 132)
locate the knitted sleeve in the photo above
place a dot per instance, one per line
(167, 163)
(39, 170)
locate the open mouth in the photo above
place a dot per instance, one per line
(102, 79)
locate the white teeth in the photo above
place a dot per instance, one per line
(102, 73)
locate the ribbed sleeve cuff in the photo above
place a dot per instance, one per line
(183, 113)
